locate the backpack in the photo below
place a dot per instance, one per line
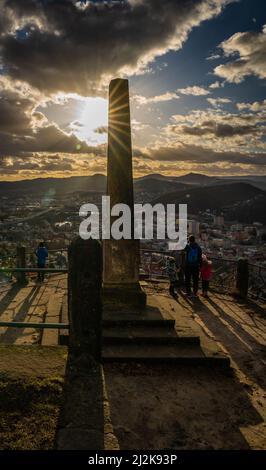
(193, 255)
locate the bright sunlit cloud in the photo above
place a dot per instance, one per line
(92, 119)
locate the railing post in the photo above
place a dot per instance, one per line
(21, 263)
(242, 275)
(84, 296)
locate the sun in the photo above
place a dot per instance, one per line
(91, 122)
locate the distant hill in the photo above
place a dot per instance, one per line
(156, 176)
(190, 178)
(239, 201)
(257, 181)
(197, 179)
(153, 184)
(95, 182)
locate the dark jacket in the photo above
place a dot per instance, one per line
(193, 255)
(41, 254)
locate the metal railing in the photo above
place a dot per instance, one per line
(153, 264)
(257, 281)
(56, 258)
(223, 274)
(42, 326)
(33, 270)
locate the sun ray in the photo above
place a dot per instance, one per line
(118, 140)
(120, 98)
(117, 129)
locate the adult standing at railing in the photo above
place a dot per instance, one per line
(42, 254)
(193, 262)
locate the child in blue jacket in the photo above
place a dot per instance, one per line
(42, 254)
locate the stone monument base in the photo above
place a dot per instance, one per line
(124, 295)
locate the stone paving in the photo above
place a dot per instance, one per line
(36, 302)
(187, 398)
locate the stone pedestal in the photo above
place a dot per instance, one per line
(121, 257)
(84, 297)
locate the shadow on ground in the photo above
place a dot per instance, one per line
(243, 347)
(84, 421)
(9, 294)
(177, 408)
(22, 311)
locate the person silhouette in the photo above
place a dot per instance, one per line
(42, 254)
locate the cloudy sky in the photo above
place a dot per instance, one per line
(196, 69)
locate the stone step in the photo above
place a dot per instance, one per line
(131, 320)
(145, 335)
(137, 336)
(187, 354)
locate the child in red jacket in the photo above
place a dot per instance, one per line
(206, 274)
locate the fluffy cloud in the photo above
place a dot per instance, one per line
(168, 96)
(44, 139)
(163, 159)
(250, 48)
(216, 102)
(213, 57)
(199, 154)
(50, 165)
(194, 90)
(24, 130)
(28, 141)
(199, 117)
(219, 130)
(101, 130)
(66, 46)
(254, 107)
(215, 85)
(34, 163)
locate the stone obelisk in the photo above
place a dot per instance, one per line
(121, 257)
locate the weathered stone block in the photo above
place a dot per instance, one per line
(84, 295)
